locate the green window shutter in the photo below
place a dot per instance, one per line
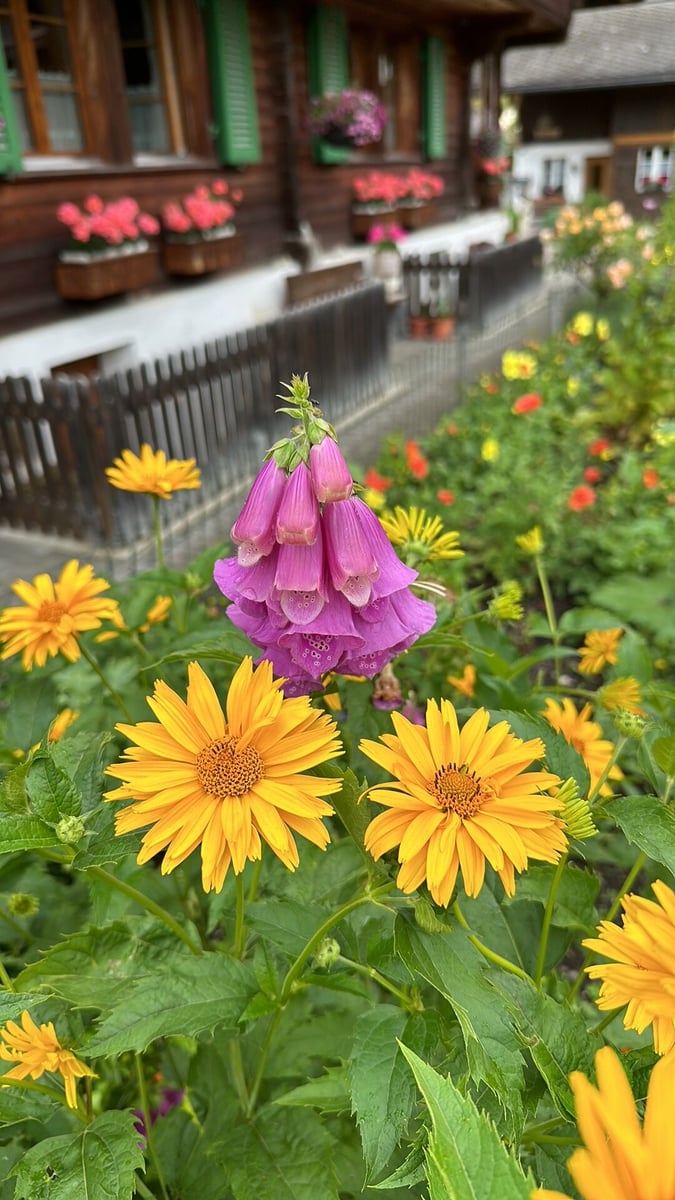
(434, 97)
(328, 67)
(10, 151)
(231, 67)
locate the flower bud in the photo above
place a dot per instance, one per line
(327, 953)
(23, 904)
(70, 830)
(351, 559)
(298, 516)
(331, 477)
(253, 530)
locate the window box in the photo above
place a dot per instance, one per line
(364, 216)
(416, 214)
(202, 256)
(107, 274)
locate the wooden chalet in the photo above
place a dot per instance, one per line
(150, 98)
(598, 110)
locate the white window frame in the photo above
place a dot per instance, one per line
(653, 163)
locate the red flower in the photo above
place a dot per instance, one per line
(445, 497)
(417, 463)
(650, 478)
(491, 388)
(452, 429)
(379, 483)
(600, 447)
(581, 497)
(592, 474)
(527, 403)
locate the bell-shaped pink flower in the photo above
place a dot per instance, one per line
(298, 516)
(351, 556)
(299, 581)
(331, 476)
(254, 529)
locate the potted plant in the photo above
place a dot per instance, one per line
(200, 235)
(420, 321)
(387, 263)
(351, 117)
(441, 323)
(420, 191)
(491, 164)
(109, 251)
(375, 197)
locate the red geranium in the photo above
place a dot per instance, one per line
(445, 497)
(527, 403)
(417, 463)
(600, 447)
(592, 474)
(650, 478)
(581, 497)
(379, 483)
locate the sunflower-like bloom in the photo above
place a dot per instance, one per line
(53, 614)
(466, 682)
(153, 474)
(222, 782)
(621, 1159)
(420, 537)
(586, 737)
(642, 973)
(531, 542)
(62, 721)
(598, 650)
(460, 798)
(622, 693)
(36, 1050)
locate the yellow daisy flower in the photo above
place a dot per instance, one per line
(460, 798)
(222, 782)
(598, 650)
(152, 474)
(61, 722)
(642, 975)
(157, 613)
(419, 536)
(489, 451)
(586, 737)
(583, 324)
(466, 682)
(37, 1050)
(622, 1159)
(531, 542)
(623, 693)
(602, 330)
(53, 614)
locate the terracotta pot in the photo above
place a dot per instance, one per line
(201, 257)
(419, 327)
(107, 276)
(441, 328)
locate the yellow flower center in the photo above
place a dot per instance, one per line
(51, 611)
(225, 771)
(457, 790)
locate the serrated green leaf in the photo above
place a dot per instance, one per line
(184, 998)
(212, 648)
(51, 793)
(561, 757)
(382, 1095)
(97, 1164)
(96, 967)
(407, 1175)
(13, 794)
(100, 845)
(450, 964)
(329, 1093)
(285, 1153)
(285, 923)
(466, 1159)
(22, 831)
(34, 705)
(647, 823)
(83, 757)
(575, 898)
(355, 815)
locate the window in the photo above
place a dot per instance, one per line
(154, 110)
(389, 66)
(654, 169)
(553, 176)
(44, 84)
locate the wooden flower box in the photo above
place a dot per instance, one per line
(363, 219)
(107, 276)
(201, 257)
(416, 216)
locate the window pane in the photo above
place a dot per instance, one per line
(145, 89)
(63, 122)
(15, 83)
(55, 76)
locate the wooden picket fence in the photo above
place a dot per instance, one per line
(475, 289)
(215, 402)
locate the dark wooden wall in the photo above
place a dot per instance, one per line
(30, 235)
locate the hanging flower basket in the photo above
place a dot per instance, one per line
(201, 256)
(96, 276)
(347, 118)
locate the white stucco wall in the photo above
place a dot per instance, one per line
(528, 164)
(138, 328)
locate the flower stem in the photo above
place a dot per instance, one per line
(5, 979)
(262, 1062)
(627, 883)
(371, 973)
(488, 954)
(550, 610)
(239, 928)
(548, 918)
(108, 686)
(145, 902)
(238, 1077)
(606, 1020)
(255, 877)
(145, 1109)
(594, 794)
(157, 529)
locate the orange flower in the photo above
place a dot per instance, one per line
(527, 403)
(600, 447)
(445, 497)
(582, 497)
(417, 463)
(379, 483)
(452, 429)
(592, 474)
(466, 682)
(650, 478)
(599, 649)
